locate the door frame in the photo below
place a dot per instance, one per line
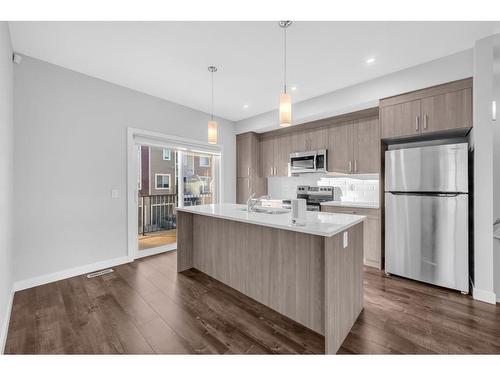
(155, 139)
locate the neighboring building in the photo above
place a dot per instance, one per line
(158, 172)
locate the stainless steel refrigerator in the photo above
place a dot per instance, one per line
(426, 214)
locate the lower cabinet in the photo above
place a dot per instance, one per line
(372, 232)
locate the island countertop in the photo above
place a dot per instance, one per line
(324, 224)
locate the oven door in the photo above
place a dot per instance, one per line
(303, 162)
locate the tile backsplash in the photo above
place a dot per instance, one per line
(354, 188)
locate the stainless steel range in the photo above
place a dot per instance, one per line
(314, 195)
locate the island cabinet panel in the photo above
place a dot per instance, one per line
(184, 241)
(343, 286)
(312, 279)
(281, 269)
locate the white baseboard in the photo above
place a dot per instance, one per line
(49, 278)
(5, 326)
(484, 296)
(156, 250)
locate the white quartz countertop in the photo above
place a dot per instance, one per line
(324, 224)
(351, 204)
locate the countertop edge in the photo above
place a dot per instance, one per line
(298, 229)
(350, 205)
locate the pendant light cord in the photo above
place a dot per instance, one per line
(212, 95)
(284, 60)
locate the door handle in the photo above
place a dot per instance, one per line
(417, 120)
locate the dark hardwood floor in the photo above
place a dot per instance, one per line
(146, 307)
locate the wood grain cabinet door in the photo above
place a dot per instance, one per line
(340, 148)
(372, 243)
(400, 119)
(282, 149)
(317, 139)
(243, 151)
(372, 232)
(267, 157)
(242, 189)
(366, 146)
(299, 141)
(447, 111)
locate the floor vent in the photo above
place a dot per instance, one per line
(99, 273)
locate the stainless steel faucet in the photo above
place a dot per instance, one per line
(252, 202)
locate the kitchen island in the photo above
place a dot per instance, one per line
(312, 274)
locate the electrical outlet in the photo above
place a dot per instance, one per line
(346, 240)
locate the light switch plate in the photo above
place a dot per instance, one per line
(114, 193)
(346, 239)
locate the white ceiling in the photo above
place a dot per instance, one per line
(170, 59)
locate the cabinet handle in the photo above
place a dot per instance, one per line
(248, 184)
(271, 171)
(426, 119)
(248, 173)
(275, 171)
(350, 166)
(355, 165)
(417, 120)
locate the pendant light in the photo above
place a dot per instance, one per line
(212, 124)
(285, 109)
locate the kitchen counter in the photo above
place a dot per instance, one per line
(351, 204)
(318, 223)
(312, 274)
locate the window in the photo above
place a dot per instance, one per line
(167, 155)
(162, 181)
(204, 161)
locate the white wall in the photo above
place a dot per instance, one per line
(70, 151)
(6, 177)
(483, 171)
(496, 160)
(367, 94)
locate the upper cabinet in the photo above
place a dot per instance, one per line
(366, 145)
(247, 154)
(439, 108)
(447, 111)
(248, 179)
(340, 148)
(354, 146)
(400, 119)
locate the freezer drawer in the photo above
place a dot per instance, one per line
(442, 168)
(426, 238)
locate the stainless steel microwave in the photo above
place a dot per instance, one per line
(308, 162)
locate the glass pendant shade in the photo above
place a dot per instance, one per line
(212, 132)
(285, 110)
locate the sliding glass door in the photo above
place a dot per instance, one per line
(166, 179)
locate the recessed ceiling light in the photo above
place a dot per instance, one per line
(370, 60)
(293, 88)
(245, 106)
